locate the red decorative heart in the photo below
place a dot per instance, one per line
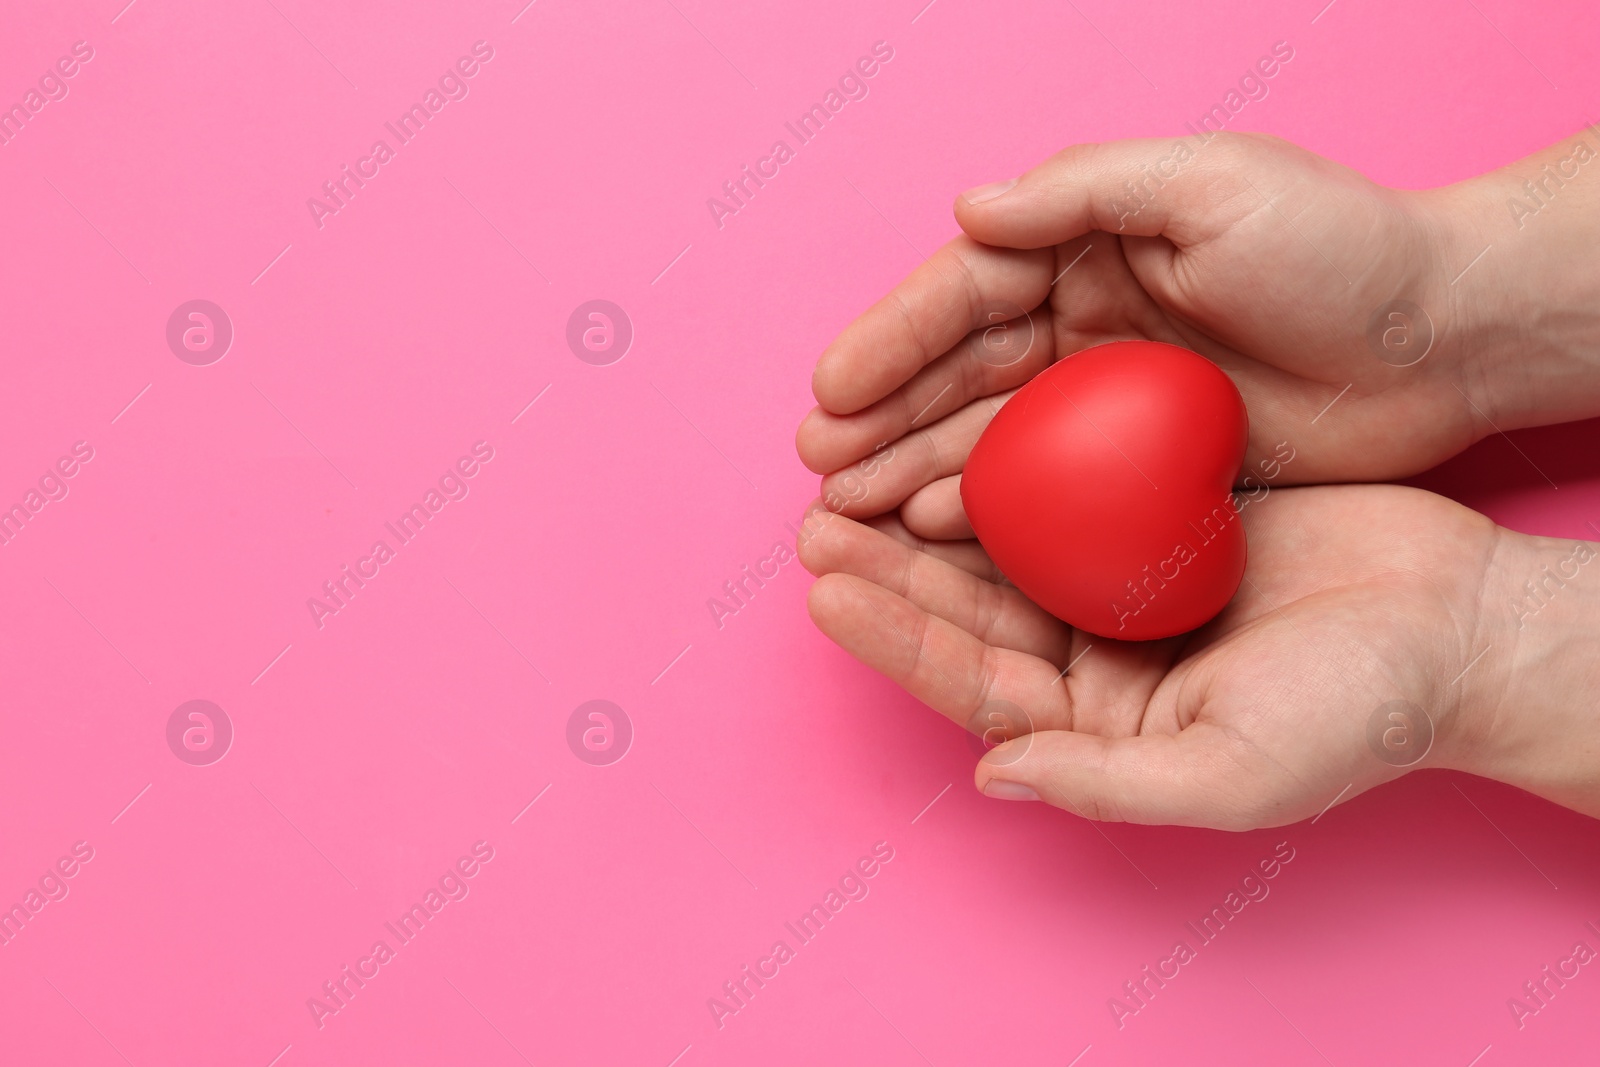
(1103, 490)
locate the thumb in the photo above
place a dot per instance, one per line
(1192, 778)
(1147, 188)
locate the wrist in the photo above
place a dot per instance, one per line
(1517, 289)
(1531, 720)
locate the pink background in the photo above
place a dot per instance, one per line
(371, 753)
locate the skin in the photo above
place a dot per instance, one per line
(1354, 596)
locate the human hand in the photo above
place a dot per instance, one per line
(1354, 597)
(1267, 259)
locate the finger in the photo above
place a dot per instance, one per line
(996, 615)
(915, 460)
(924, 317)
(968, 555)
(1192, 778)
(1006, 352)
(935, 511)
(935, 661)
(1148, 188)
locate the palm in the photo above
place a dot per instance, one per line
(1258, 718)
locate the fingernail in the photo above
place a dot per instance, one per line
(995, 789)
(988, 192)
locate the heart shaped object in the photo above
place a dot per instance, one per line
(1103, 490)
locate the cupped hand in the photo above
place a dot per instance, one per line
(1265, 258)
(1354, 597)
